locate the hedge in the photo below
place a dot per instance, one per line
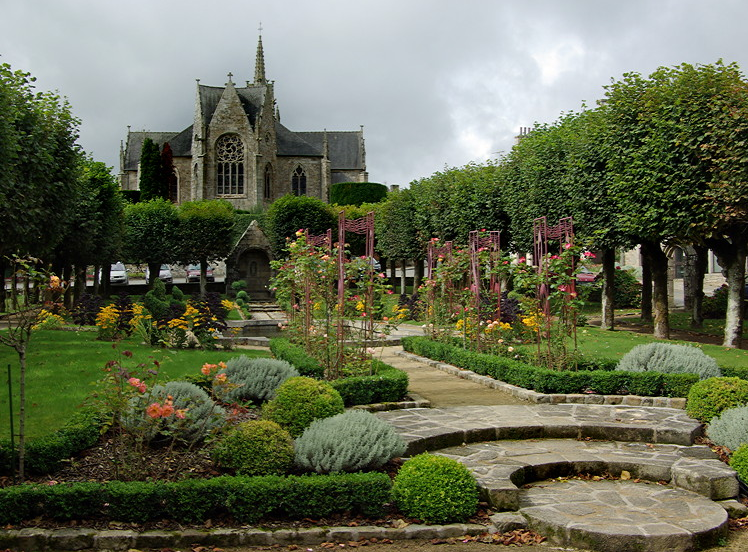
(543, 380)
(246, 499)
(356, 193)
(387, 384)
(46, 454)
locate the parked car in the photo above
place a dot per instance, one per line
(118, 275)
(586, 276)
(193, 273)
(164, 273)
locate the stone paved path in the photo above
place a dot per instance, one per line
(648, 442)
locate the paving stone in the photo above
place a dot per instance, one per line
(508, 521)
(71, 539)
(112, 539)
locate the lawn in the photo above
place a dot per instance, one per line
(62, 367)
(614, 344)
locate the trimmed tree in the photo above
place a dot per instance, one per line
(152, 234)
(291, 213)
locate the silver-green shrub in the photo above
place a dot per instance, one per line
(255, 379)
(352, 441)
(201, 414)
(730, 429)
(669, 358)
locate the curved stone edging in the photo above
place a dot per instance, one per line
(502, 467)
(548, 398)
(429, 429)
(91, 539)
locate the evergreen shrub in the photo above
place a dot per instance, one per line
(730, 428)
(352, 441)
(299, 401)
(356, 193)
(715, 306)
(710, 397)
(435, 489)
(256, 379)
(246, 499)
(739, 462)
(296, 356)
(156, 302)
(669, 358)
(202, 415)
(255, 447)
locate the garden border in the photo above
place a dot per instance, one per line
(547, 398)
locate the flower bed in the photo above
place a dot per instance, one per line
(543, 380)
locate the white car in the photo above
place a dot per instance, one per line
(118, 275)
(164, 273)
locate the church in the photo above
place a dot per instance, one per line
(237, 149)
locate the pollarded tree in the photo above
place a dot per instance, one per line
(677, 142)
(152, 234)
(206, 232)
(395, 229)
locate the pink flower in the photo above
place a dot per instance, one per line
(167, 410)
(555, 257)
(568, 245)
(221, 378)
(522, 260)
(134, 382)
(142, 388)
(589, 255)
(180, 413)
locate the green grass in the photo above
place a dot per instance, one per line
(614, 344)
(62, 367)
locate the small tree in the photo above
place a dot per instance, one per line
(152, 234)
(206, 233)
(291, 213)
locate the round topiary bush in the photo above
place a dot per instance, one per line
(256, 379)
(669, 358)
(190, 415)
(730, 429)
(256, 447)
(435, 489)
(739, 462)
(351, 441)
(299, 401)
(708, 398)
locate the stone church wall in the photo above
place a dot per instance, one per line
(313, 169)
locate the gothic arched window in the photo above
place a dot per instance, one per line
(229, 165)
(268, 181)
(298, 182)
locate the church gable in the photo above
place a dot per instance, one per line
(237, 149)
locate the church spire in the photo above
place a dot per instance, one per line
(260, 62)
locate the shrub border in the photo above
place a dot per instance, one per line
(550, 383)
(387, 384)
(246, 499)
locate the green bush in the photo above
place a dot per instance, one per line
(243, 295)
(299, 401)
(715, 306)
(246, 499)
(730, 429)
(351, 441)
(710, 397)
(156, 302)
(669, 358)
(356, 193)
(290, 213)
(435, 489)
(257, 379)
(296, 356)
(46, 454)
(386, 384)
(739, 462)
(256, 447)
(201, 417)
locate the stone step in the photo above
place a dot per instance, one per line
(622, 516)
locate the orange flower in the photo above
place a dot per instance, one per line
(221, 378)
(208, 368)
(167, 410)
(153, 410)
(180, 413)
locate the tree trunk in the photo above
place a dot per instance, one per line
(104, 286)
(3, 292)
(96, 279)
(403, 280)
(609, 269)
(699, 269)
(731, 256)
(21, 350)
(659, 265)
(418, 274)
(393, 272)
(204, 279)
(153, 271)
(80, 282)
(646, 289)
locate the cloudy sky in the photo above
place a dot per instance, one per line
(435, 83)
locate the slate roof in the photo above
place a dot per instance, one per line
(251, 97)
(344, 147)
(135, 145)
